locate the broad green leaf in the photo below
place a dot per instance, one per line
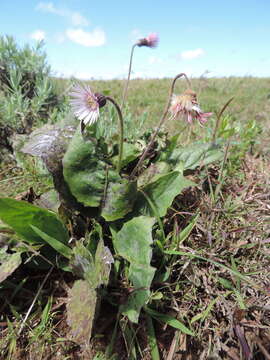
(85, 171)
(133, 242)
(172, 143)
(141, 277)
(153, 172)
(130, 153)
(20, 216)
(54, 243)
(119, 199)
(8, 263)
(194, 155)
(81, 307)
(168, 320)
(162, 193)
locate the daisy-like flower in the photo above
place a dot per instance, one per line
(151, 40)
(186, 105)
(85, 104)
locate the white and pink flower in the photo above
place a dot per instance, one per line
(186, 106)
(151, 41)
(85, 104)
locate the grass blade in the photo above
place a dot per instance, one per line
(168, 320)
(152, 341)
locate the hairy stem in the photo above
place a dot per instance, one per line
(128, 78)
(121, 131)
(162, 120)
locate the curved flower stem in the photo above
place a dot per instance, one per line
(121, 130)
(128, 78)
(162, 120)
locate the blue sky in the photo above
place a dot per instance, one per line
(92, 39)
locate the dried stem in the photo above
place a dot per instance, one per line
(34, 301)
(128, 78)
(162, 120)
(121, 131)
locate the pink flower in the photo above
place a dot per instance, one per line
(85, 104)
(186, 105)
(151, 40)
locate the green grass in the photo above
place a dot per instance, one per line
(219, 233)
(150, 96)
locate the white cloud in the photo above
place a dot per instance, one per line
(78, 20)
(95, 38)
(192, 54)
(46, 7)
(49, 7)
(73, 16)
(38, 35)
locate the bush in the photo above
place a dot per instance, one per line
(27, 95)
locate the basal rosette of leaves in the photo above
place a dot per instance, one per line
(122, 191)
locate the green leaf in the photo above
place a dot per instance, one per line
(9, 263)
(141, 277)
(184, 234)
(85, 170)
(194, 155)
(94, 269)
(81, 307)
(133, 242)
(54, 243)
(226, 283)
(162, 193)
(203, 315)
(82, 264)
(119, 200)
(168, 320)
(153, 172)
(103, 261)
(152, 340)
(130, 153)
(21, 216)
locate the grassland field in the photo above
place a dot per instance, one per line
(234, 228)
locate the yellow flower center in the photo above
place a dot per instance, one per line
(91, 102)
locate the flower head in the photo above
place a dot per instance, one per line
(86, 104)
(186, 105)
(151, 40)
